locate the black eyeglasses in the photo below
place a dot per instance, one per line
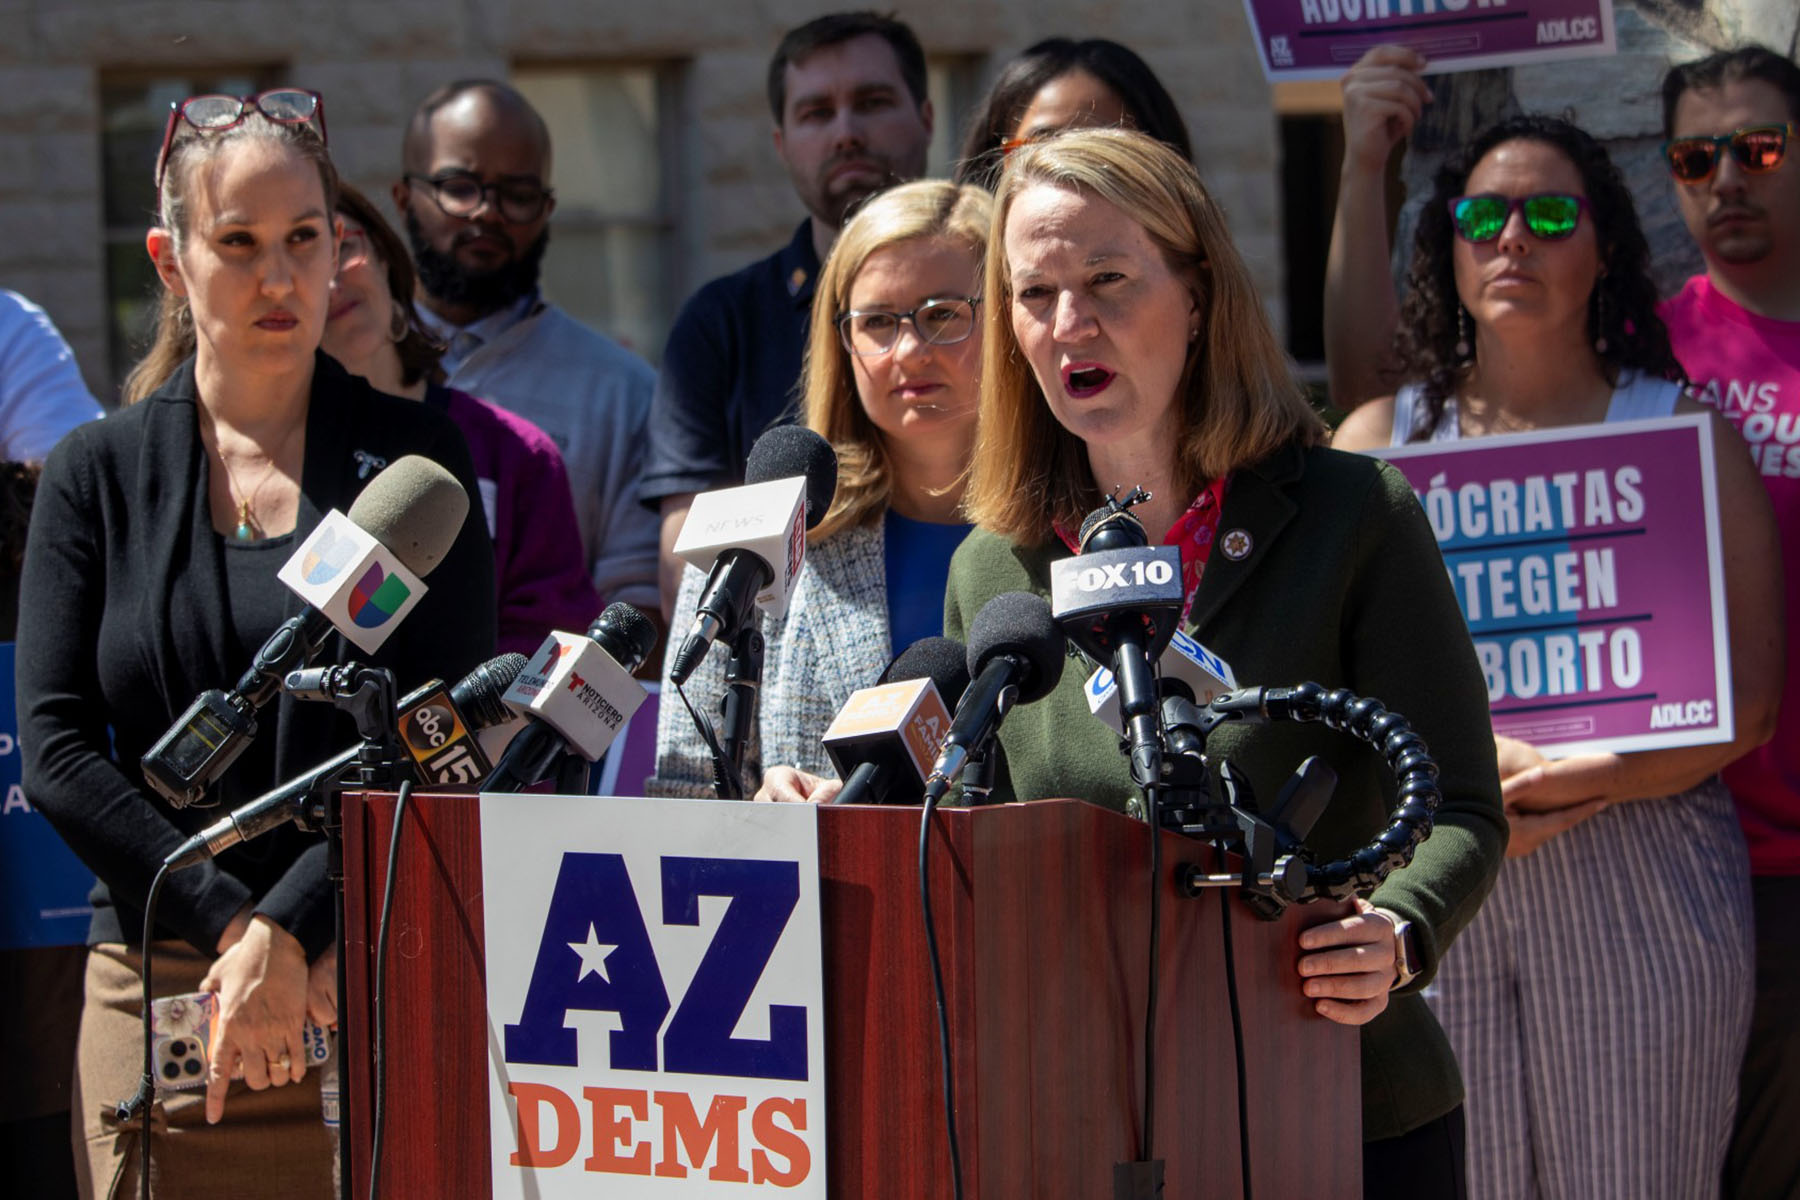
(1757, 148)
(212, 113)
(520, 199)
(869, 332)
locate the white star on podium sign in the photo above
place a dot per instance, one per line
(593, 956)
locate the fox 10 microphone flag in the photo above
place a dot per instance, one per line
(348, 575)
(655, 998)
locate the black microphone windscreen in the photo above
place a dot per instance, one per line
(1117, 529)
(1019, 623)
(625, 633)
(480, 695)
(415, 508)
(789, 450)
(942, 660)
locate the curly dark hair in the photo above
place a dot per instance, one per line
(1152, 109)
(1624, 297)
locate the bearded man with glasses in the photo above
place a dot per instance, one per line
(1732, 121)
(476, 201)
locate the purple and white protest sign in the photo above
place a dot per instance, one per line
(1588, 567)
(1321, 39)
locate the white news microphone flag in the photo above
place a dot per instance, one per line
(766, 519)
(1185, 659)
(575, 687)
(352, 579)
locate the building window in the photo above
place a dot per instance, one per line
(954, 84)
(1310, 114)
(612, 260)
(134, 109)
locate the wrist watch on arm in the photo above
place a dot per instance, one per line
(1406, 950)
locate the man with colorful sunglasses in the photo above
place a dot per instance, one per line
(1731, 122)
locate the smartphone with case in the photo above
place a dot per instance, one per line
(181, 1036)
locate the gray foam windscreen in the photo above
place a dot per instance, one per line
(415, 508)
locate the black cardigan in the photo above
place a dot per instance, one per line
(123, 621)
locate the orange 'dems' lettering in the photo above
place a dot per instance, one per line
(627, 1126)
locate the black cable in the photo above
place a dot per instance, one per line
(146, 1093)
(726, 781)
(378, 1000)
(1237, 1036)
(937, 987)
(1155, 823)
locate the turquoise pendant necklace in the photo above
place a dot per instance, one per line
(245, 532)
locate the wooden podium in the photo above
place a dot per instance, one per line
(1042, 913)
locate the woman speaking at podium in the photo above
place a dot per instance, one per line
(149, 577)
(1126, 345)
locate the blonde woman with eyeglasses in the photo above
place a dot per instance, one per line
(149, 577)
(891, 380)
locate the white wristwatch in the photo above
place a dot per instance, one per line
(1406, 953)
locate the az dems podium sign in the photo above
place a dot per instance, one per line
(1587, 563)
(655, 997)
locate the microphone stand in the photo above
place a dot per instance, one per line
(743, 677)
(370, 696)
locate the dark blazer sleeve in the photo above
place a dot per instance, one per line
(1400, 589)
(69, 774)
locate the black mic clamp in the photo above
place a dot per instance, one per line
(371, 697)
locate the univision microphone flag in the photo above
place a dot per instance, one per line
(354, 580)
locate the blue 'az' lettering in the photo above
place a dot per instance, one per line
(593, 893)
(594, 922)
(763, 895)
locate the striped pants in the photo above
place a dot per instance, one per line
(1599, 1003)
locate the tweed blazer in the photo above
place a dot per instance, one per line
(833, 639)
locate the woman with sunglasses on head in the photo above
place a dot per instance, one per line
(890, 380)
(1059, 84)
(1126, 346)
(1599, 1001)
(149, 577)
(373, 329)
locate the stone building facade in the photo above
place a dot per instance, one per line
(673, 90)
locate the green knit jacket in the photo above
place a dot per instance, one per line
(1342, 585)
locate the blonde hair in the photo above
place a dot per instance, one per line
(1239, 398)
(928, 209)
(174, 339)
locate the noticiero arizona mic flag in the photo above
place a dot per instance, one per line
(655, 997)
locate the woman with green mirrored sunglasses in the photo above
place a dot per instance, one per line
(1550, 216)
(1599, 1001)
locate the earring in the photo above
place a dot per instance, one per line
(1464, 351)
(1600, 342)
(399, 325)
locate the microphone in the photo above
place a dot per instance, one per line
(1015, 657)
(576, 693)
(1119, 601)
(752, 539)
(359, 574)
(885, 738)
(438, 727)
(1204, 674)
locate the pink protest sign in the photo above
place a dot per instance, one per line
(1588, 567)
(1320, 39)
